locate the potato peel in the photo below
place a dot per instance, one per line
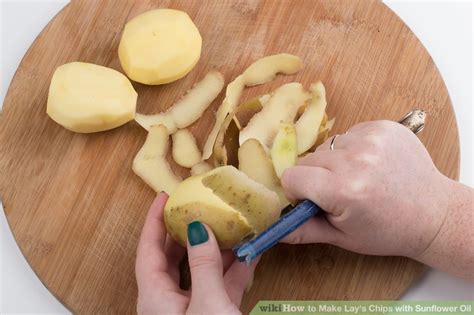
(259, 72)
(266, 68)
(252, 106)
(189, 108)
(330, 124)
(323, 133)
(264, 99)
(165, 119)
(233, 92)
(282, 107)
(307, 126)
(150, 162)
(200, 168)
(185, 150)
(284, 148)
(227, 143)
(228, 137)
(254, 161)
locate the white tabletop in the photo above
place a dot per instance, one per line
(445, 28)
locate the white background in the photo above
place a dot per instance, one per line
(445, 28)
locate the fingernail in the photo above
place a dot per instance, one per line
(197, 233)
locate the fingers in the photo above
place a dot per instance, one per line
(325, 158)
(174, 253)
(316, 230)
(314, 183)
(365, 126)
(352, 134)
(150, 252)
(342, 142)
(154, 230)
(228, 258)
(238, 278)
(205, 264)
(173, 250)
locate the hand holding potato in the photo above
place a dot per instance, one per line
(218, 281)
(384, 196)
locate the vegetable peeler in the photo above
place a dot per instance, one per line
(249, 249)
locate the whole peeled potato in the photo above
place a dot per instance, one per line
(159, 46)
(227, 200)
(84, 97)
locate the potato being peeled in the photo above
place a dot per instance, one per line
(159, 46)
(227, 200)
(85, 97)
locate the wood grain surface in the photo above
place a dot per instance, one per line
(76, 208)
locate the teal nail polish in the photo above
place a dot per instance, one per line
(197, 233)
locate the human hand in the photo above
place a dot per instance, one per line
(379, 188)
(218, 281)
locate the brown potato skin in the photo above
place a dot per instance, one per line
(228, 227)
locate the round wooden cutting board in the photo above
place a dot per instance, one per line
(75, 206)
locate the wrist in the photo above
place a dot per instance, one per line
(433, 212)
(451, 247)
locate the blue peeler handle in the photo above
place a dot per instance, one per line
(249, 250)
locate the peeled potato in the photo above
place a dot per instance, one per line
(227, 200)
(85, 97)
(284, 150)
(159, 46)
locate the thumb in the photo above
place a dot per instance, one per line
(205, 264)
(238, 279)
(315, 230)
(320, 186)
(314, 183)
